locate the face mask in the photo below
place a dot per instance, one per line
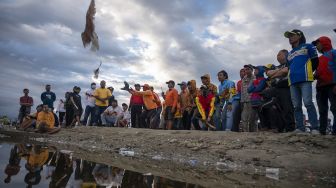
(93, 87)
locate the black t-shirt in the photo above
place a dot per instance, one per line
(280, 82)
(77, 99)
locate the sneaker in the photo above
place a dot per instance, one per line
(315, 132)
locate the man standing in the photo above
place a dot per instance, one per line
(102, 96)
(149, 106)
(325, 82)
(237, 109)
(61, 112)
(48, 97)
(76, 102)
(90, 104)
(226, 91)
(135, 105)
(185, 105)
(171, 98)
(26, 102)
(302, 61)
(279, 85)
(193, 93)
(245, 99)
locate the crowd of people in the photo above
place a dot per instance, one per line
(267, 97)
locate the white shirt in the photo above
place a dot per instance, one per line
(60, 107)
(89, 99)
(126, 115)
(117, 109)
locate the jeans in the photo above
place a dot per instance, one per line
(89, 111)
(110, 120)
(136, 111)
(98, 111)
(236, 115)
(247, 122)
(303, 91)
(323, 94)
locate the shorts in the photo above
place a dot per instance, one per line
(78, 112)
(169, 114)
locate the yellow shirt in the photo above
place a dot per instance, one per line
(102, 93)
(47, 117)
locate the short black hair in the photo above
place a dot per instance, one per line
(124, 104)
(93, 83)
(25, 89)
(284, 51)
(224, 73)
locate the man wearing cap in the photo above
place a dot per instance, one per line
(26, 102)
(135, 105)
(171, 99)
(302, 61)
(185, 105)
(226, 91)
(90, 104)
(206, 80)
(149, 105)
(245, 100)
(326, 82)
(102, 96)
(193, 93)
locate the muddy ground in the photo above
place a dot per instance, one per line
(210, 159)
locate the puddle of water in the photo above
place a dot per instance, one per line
(27, 165)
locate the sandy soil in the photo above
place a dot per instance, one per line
(210, 159)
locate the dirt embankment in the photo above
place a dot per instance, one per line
(211, 159)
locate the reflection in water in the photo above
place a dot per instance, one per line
(60, 169)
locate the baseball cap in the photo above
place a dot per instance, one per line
(170, 81)
(182, 83)
(287, 34)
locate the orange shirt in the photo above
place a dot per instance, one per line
(171, 97)
(185, 99)
(148, 98)
(47, 117)
(157, 99)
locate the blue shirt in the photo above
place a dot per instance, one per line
(300, 64)
(48, 98)
(331, 55)
(227, 85)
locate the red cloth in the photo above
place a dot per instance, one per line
(239, 84)
(136, 100)
(26, 99)
(206, 102)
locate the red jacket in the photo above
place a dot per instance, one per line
(206, 105)
(323, 73)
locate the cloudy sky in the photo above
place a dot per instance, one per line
(144, 41)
